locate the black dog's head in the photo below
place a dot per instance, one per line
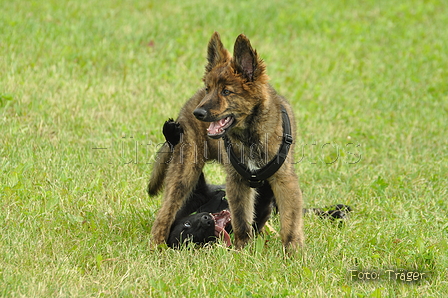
(200, 228)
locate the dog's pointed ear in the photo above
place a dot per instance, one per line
(246, 60)
(216, 53)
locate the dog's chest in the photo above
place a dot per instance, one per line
(255, 155)
(251, 164)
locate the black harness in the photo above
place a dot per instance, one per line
(256, 178)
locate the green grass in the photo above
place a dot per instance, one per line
(367, 77)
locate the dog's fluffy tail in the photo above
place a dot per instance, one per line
(163, 158)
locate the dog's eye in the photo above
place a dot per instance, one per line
(226, 92)
(207, 89)
(187, 224)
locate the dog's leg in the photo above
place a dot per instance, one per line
(176, 192)
(289, 201)
(182, 177)
(241, 202)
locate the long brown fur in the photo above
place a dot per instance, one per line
(238, 86)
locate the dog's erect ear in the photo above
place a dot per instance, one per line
(216, 53)
(246, 60)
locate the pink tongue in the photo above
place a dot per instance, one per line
(221, 220)
(216, 127)
(221, 232)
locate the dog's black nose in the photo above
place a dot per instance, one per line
(207, 220)
(200, 113)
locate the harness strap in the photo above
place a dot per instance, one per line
(256, 178)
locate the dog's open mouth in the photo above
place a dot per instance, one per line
(222, 219)
(218, 128)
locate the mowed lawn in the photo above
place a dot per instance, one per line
(85, 87)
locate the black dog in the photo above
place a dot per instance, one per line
(205, 216)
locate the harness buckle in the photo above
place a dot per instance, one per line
(287, 138)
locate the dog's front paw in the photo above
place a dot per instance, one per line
(157, 238)
(160, 230)
(172, 131)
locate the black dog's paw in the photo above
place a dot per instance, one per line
(172, 132)
(339, 211)
(335, 212)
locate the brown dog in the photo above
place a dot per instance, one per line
(257, 125)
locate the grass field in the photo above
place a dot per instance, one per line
(85, 87)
